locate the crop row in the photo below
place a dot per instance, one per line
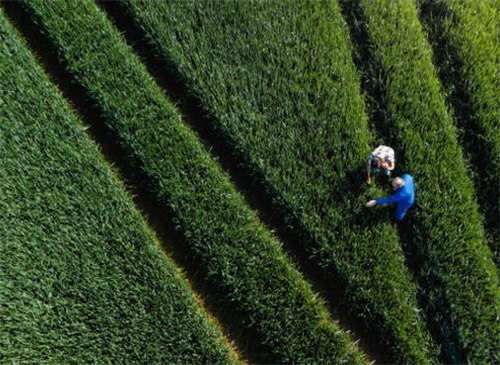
(279, 84)
(465, 37)
(458, 278)
(251, 280)
(82, 278)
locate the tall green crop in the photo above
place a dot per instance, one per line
(458, 278)
(250, 278)
(465, 38)
(82, 279)
(278, 82)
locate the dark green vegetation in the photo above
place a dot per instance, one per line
(457, 276)
(278, 81)
(251, 280)
(280, 86)
(465, 39)
(82, 279)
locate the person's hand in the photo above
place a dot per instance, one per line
(371, 203)
(369, 181)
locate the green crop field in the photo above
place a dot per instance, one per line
(320, 142)
(457, 276)
(464, 35)
(242, 129)
(82, 278)
(242, 262)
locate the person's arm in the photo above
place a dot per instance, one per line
(369, 169)
(391, 199)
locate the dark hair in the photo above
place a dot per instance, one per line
(376, 162)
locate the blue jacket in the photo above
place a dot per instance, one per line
(404, 197)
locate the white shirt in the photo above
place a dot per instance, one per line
(385, 153)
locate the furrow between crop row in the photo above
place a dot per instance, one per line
(163, 228)
(458, 279)
(464, 35)
(278, 84)
(82, 277)
(200, 122)
(252, 283)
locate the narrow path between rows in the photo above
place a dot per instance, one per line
(417, 259)
(168, 79)
(451, 70)
(169, 240)
(193, 115)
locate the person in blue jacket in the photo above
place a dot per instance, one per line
(404, 197)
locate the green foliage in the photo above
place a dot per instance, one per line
(278, 80)
(82, 279)
(458, 278)
(465, 37)
(251, 279)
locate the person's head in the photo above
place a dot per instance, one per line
(385, 165)
(376, 162)
(397, 183)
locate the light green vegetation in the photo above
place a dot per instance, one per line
(465, 39)
(277, 79)
(82, 279)
(251, 280)
(458, 278)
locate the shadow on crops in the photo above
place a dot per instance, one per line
(248, 181)
(433, 14)
(130, 170)
(431, 292)
(125, 164)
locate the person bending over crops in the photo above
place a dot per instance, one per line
(404, 197)
(382, 158)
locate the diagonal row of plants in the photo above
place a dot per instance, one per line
(82, 277)
(464, 35)
(453, 264)
(251, 279)
(278, 81)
